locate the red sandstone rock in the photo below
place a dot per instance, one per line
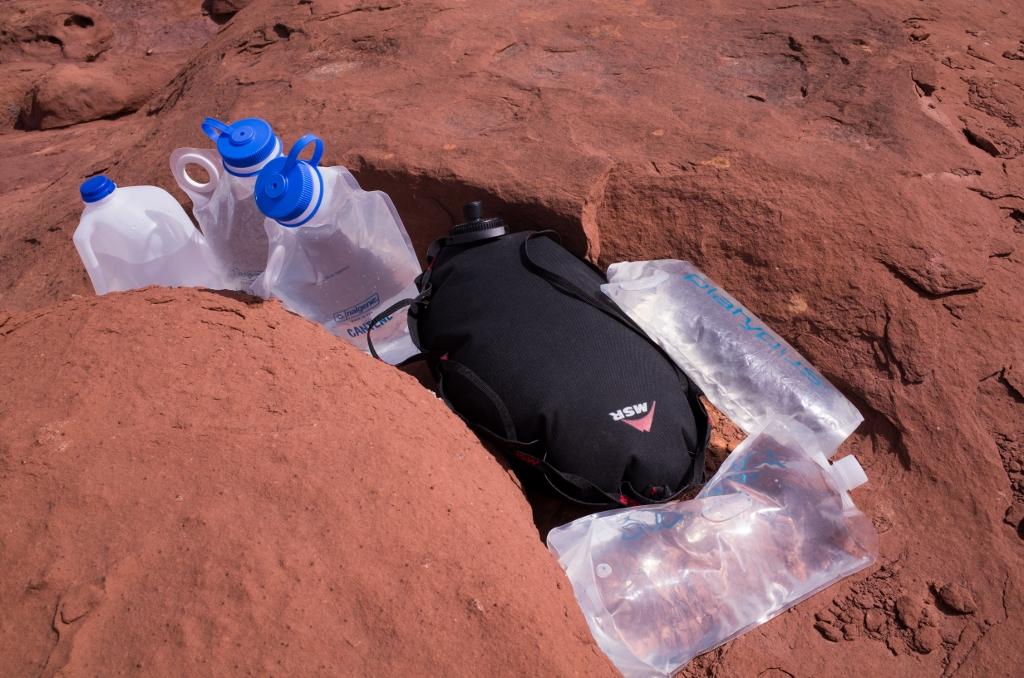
(909, 610)
(927, 640)
(223, 10)
(69, 94)
(829, 632)
(957, 598)
(874, 620)
(811, 157)
(194, 484)
(65, 62)
(53, 30)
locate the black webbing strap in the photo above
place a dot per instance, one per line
(601, 303)
(528, 452)
(606, 306)
(463, 239)
(508, 436)
(582, 491)
(419, 299)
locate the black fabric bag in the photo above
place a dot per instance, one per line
(530, 353)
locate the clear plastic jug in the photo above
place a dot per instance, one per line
(662, 584)
(224, 206)
(137, 236)
(746, 370)
(340, 255)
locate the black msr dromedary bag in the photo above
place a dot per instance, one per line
(530, 353)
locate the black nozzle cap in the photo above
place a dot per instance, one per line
(473, 211)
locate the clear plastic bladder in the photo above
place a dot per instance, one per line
(349, 262)
(662, 584)
(224, 207)
(745, 369)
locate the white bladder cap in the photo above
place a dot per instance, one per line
(848, 473)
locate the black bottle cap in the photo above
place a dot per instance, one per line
(473, 212)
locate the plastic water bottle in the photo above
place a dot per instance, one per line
(341, 254)
(137, 236)
(224, 205)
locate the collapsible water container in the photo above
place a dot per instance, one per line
(223, 205)
(744, 368)
(340, 254)
(137, 236)
(660, 585)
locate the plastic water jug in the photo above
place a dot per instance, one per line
(340, 254)
(660, 585)
(137, 236)
(224, 205)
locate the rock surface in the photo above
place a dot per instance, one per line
(197, 485)
(957, 598)
(72, 93)
(65, 63)
(851, 170)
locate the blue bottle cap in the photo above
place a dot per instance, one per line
(245, 145)
(96, 188)
(290, 190)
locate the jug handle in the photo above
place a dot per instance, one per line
(181, 159)
(213, 128)
(299, 146)
(93, 268)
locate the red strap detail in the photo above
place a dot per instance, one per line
(524, 457)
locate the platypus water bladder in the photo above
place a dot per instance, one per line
(530, 354)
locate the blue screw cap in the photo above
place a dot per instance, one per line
(243, 145)
(290, 190)
(96, 188)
